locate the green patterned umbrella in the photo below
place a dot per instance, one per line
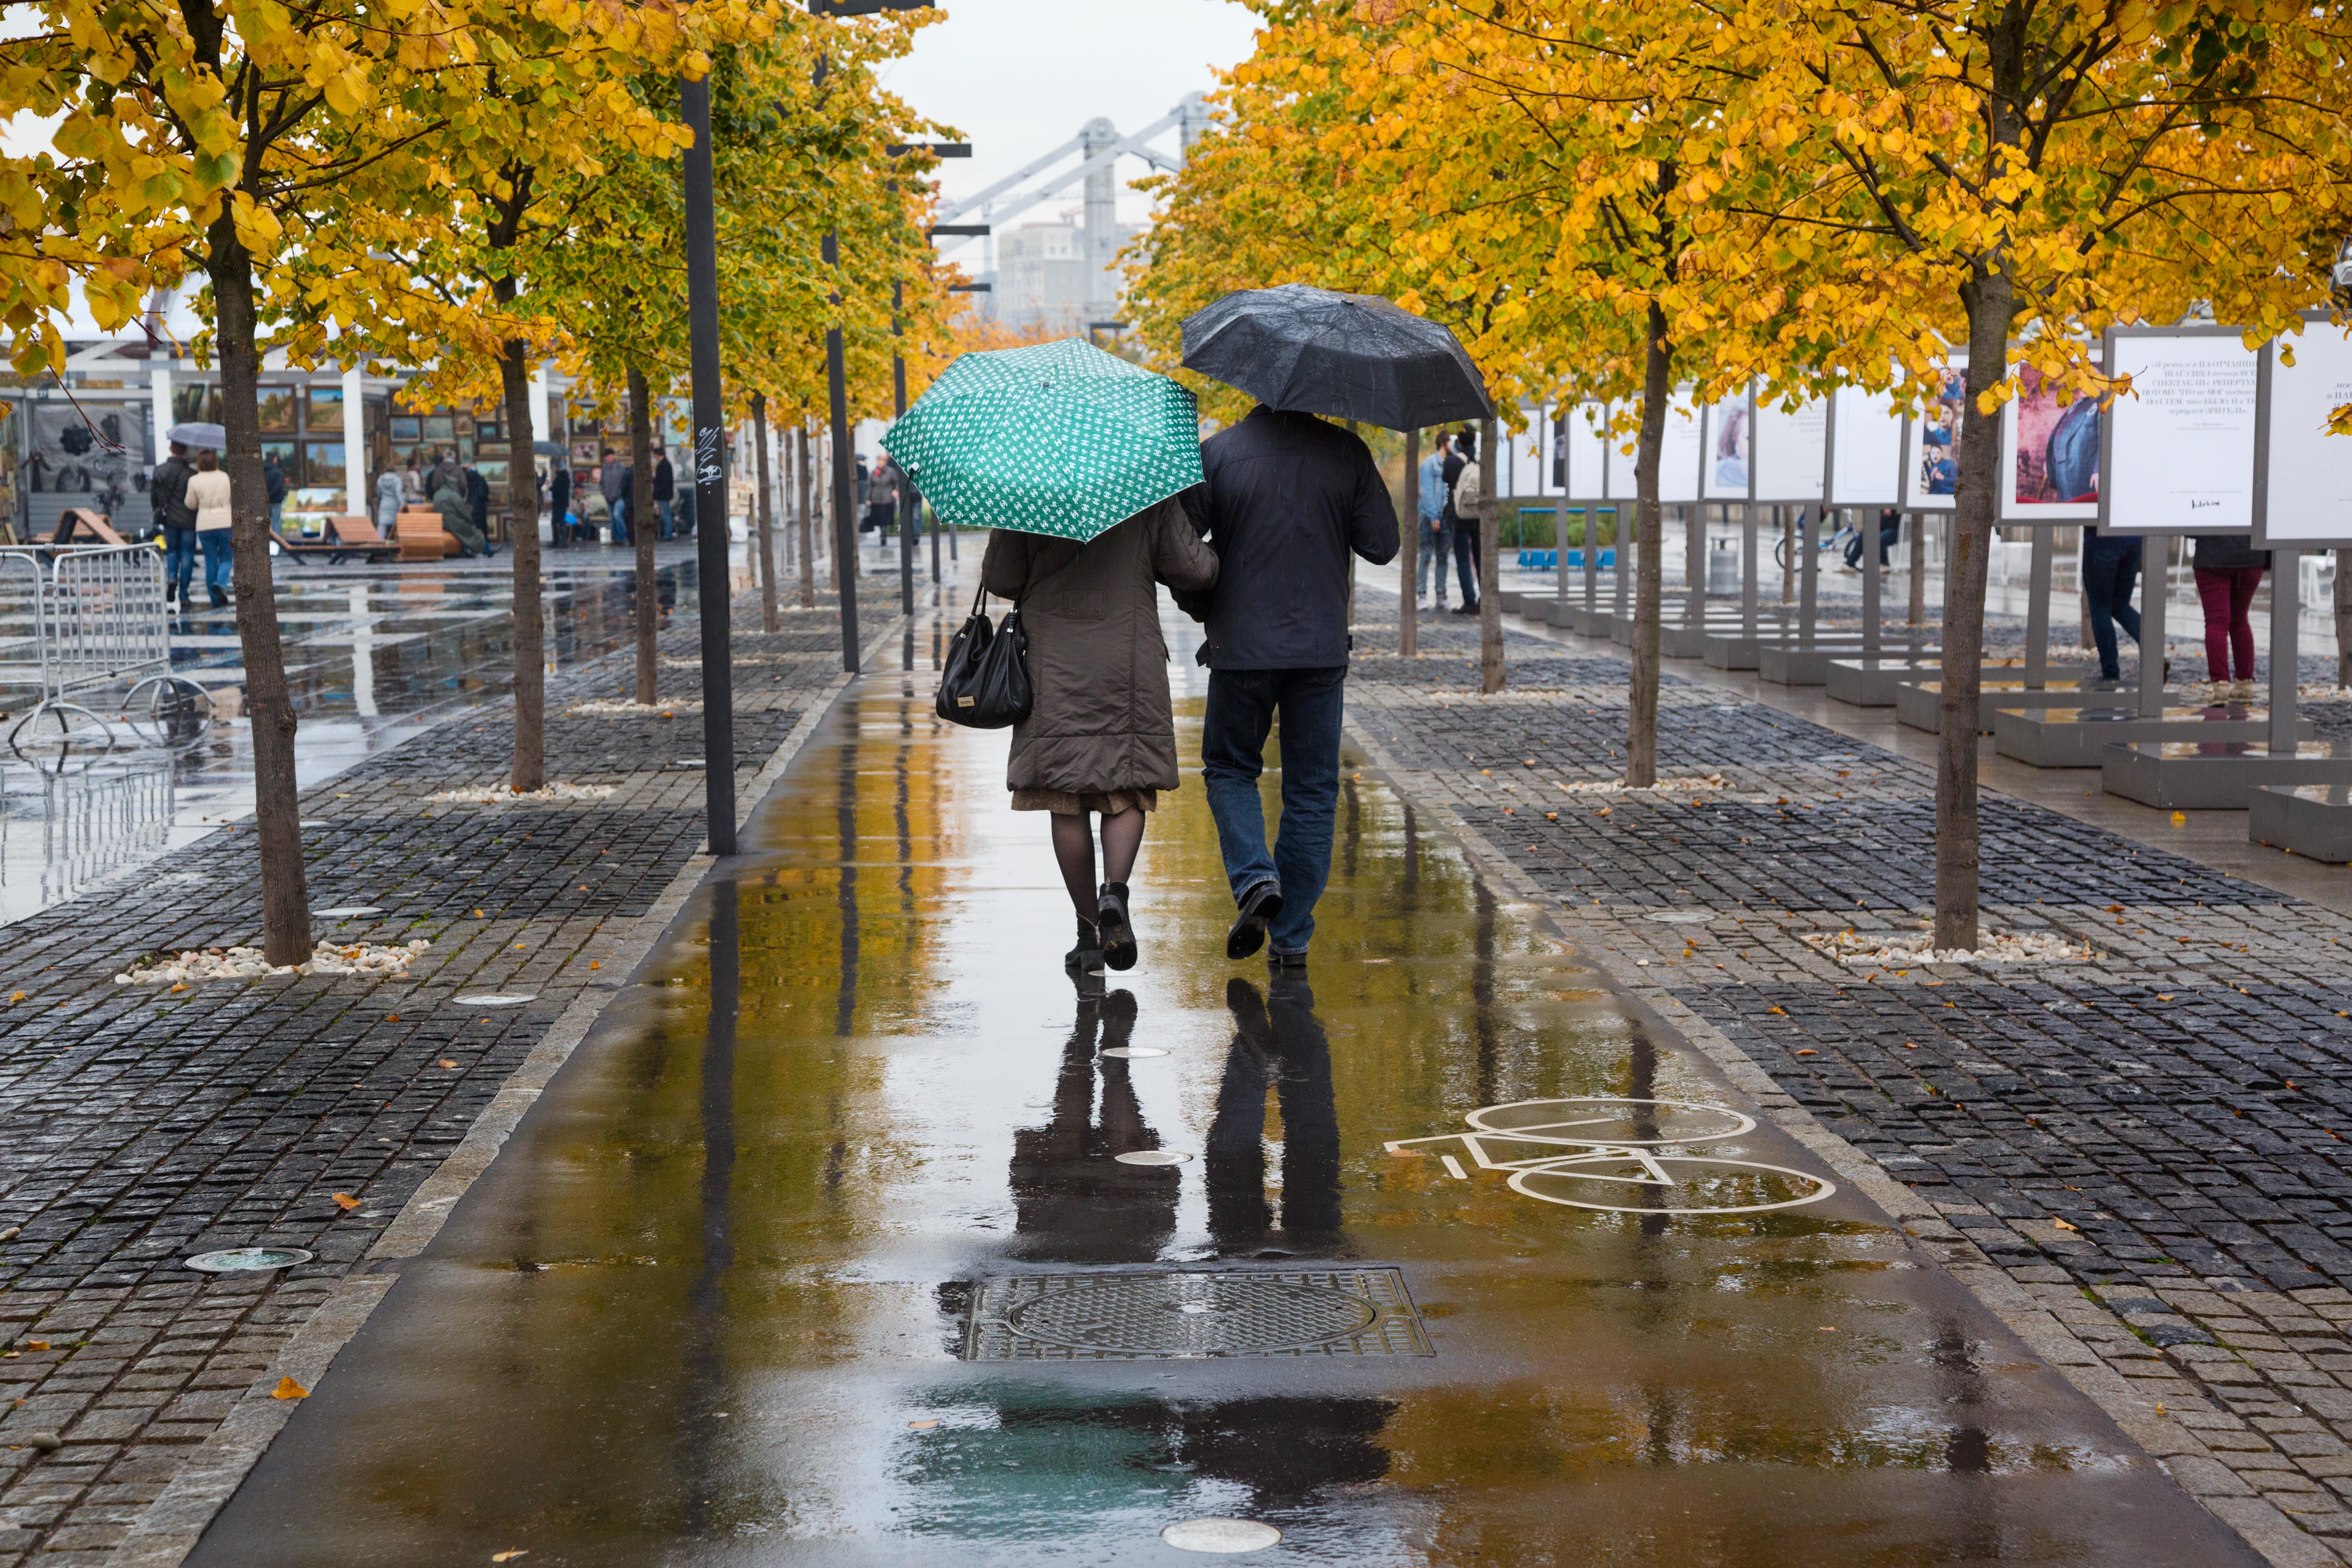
(1060, 440)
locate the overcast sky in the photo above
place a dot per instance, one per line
(1019, 77)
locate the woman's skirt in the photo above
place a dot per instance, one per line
(1063, 802)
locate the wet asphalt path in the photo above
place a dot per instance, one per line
(712, 1303)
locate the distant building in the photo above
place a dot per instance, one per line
(1041, 275)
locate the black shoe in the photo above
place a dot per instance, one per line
(1118, 932)
(1465, 609)
(1088, 954)
(220, 600)
(1287, 959)
(1260, 905)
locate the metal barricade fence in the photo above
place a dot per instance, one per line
(105, 618)
(24, 640)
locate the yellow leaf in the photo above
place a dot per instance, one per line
(510, 1556)
(345, 1202)
(288, 1389)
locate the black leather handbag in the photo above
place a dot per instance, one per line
(986, 685)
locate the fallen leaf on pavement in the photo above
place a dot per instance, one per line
(445, 1062)
(510, 1556)
(345, 1202)
(2061, 1225)
(288, 1389)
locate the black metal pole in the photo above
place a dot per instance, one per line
(845, 481)
(908, 515)
(709, 472)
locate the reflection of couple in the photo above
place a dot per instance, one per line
(1074, 1202)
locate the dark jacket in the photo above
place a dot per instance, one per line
(477, 495)
(167, 493)
(458, 518)
(559, 493)
(1288, 498)
(273, 482)
(665, 479)
(1099, 718)
(1454, 463)
(2228, 552)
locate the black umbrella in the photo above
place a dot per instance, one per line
(1350, 356)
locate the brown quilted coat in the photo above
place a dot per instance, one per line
(1099, 718)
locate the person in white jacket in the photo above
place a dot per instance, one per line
(208, 495)
(389, 495)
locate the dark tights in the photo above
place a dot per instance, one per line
(1074, 851)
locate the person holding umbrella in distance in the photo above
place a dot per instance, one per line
(1289, 496)
(1073, 457)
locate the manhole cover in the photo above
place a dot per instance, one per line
(1224, 1535)
(495, 999)
(243, 1259)
(347, 913)
(1194, 1314)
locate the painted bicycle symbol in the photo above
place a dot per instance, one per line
(1576, 1151)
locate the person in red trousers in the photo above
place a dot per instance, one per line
(2228, 569)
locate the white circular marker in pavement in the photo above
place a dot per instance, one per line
(1682, 917)
(1152, 1157)
(1123, 1052)
(495, 999)
(347, 911)
(243, 1259)
(1226, 1535)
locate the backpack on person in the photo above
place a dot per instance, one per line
(1466, 494)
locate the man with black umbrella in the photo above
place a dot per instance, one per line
(1287, 498)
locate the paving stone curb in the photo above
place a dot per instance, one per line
(2034, 1317)
(168, 1529)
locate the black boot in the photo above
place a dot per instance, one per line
(1118, 932)
(1088, 954)
(1259, 906)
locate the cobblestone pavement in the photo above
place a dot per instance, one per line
(139, 1127)
(2140, 1159)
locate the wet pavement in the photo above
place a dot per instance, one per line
(833, 1245)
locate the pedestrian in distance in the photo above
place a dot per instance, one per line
(1287, 499)
(621, 491)
(1431, 556)
(2110, 569)
(208, 495)
(1890, 530)
(2228, 569)
(611, 485)
(458, 518)
(1100, 737)
(882, 498)
(273, 485)
(1462, 459)
(391, 495)
(664, 492)
(477, 500)
(558, 505)
(167, 496)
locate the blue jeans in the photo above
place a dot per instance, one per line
(1431, 557)
(179, 558)
(214, 541)
(620, 533)
(1243, 706)
(2110, 568)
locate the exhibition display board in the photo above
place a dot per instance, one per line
(1789, 455)
(1864, 450)
(2177, 451)
(2303, 472)
(2048, 454)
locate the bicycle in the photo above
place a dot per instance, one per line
(1614, 1141)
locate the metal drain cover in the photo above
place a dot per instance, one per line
(1186, 1314)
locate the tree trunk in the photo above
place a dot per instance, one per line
(1642, 703)
(642, 529)
(522, 541)
(1490, 565)
(2344, 617)
(277, 796)
(1991, 299)
(1918, 611)
(1408, 619)
(808, 526)
(767, 516)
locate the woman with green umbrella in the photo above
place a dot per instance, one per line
(1074, 457)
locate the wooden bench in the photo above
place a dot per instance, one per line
(421, 536)
(80, 525)
(346, 534)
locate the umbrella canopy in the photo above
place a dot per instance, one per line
(1350, 356)
(199, 435)
(1060, 440)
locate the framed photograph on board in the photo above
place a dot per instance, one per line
(2049, 455)
(1931, 467)
(1730, 448)
(1866, 438)
(2177, 452)
(1790, 449)
(2303, 474)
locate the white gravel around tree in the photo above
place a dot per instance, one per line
(194, 966)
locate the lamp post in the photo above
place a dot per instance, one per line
(910, 501)
(709, 478)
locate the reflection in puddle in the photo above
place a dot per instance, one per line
(63, 833)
